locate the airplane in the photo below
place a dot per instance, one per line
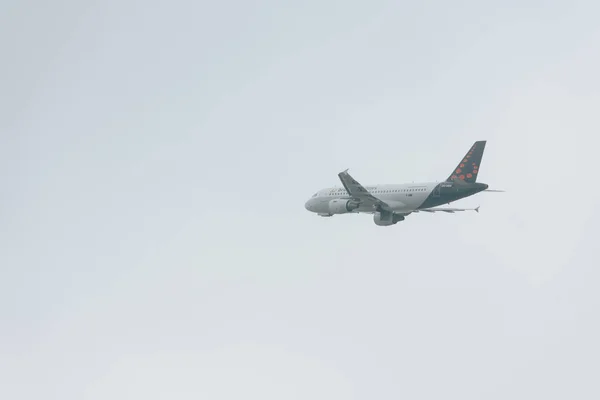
(391, 203)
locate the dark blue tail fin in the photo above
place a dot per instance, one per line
(468, 168)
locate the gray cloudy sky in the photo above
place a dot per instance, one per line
(155, 158)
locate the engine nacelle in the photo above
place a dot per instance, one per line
(387, 219)
(342, 206)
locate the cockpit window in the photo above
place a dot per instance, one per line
(315, 195)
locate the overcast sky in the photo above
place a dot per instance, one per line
(155, 158)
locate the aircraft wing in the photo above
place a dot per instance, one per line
(447, 210)
(358, 192)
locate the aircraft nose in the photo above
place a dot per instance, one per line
(307, 205)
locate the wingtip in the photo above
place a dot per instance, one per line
(477, 208)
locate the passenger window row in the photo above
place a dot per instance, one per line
(344, 193)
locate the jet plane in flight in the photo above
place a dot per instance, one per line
(391, 203)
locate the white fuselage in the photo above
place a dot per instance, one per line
(400, 197)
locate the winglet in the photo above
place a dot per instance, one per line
(477, 208)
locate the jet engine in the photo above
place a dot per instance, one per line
(342, 206)
(387, 219)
